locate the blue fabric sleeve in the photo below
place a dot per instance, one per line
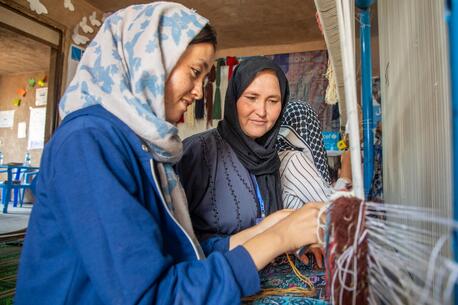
(217, 243)
(241, 262)
(119, 242)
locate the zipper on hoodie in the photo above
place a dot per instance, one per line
(169, 212)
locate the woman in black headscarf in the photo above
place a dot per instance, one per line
(230, 174)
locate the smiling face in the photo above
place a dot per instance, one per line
(259, 106)
(185, 82)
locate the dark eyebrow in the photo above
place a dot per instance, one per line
(249, 92)
(270, 96)
(206, 66)
(204, 63)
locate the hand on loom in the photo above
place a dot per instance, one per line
(299, 228)
(317, 252)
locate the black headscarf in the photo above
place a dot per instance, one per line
(259, 156)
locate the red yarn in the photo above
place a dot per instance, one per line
(343, 221)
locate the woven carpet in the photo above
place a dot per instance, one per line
(279, 274)
(9, 261)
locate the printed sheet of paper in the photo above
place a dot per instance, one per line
(21, 130)
(6, 119)
(41, 96)
(37, 128)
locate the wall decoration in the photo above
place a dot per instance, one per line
(6, 119)
(69, 5)
(21, 130)
(77, 37)
(41, 96)
(32, 82)
(36, 128)
(74, 57)
(93, 19)
(21, 92)
(85, 27)
(306, 73)
(38, 7)
(16, 101)
(42, 82)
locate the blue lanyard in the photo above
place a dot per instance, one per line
(258, 194)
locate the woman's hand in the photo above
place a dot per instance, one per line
(297, 229)
(273, 218)
(300, 227)
(243, 236)
(318, 253)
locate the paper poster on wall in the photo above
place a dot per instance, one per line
(36, 128)
(21, 130)
(41, 96)
(6, 119)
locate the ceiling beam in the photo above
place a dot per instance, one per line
(273, 49)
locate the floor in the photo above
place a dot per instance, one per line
(16, 219)
(9, 261)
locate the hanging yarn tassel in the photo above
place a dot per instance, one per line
(208, 95)
(200, 109)
(331, 97)
(231, 61)
(181, 119)
(217, 102)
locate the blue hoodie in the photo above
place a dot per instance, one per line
(100, 232)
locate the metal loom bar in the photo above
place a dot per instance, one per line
(366, 92)
(452, 20)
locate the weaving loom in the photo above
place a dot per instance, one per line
(392, 253)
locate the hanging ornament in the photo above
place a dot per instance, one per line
(31, 83)
(216, 115)
(38, 7)
(331, 96)
(42, 82)
(93, 19)
(69, 5)
(85, 27)
(16, 101)
(77, 37)
(21, 92)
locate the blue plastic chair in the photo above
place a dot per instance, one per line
(26, 184)
(19, 184)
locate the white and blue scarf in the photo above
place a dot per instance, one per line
(124, 69)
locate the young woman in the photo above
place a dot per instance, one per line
(111, 223)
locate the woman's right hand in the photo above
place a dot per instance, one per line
(247, 234)
(300, 228)
(297, 229)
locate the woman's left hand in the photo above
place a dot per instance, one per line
(243, 236)
(272, 219)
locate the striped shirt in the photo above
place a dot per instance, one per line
(301, 180)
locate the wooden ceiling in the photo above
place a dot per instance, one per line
(20, 54)
(243, 23)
